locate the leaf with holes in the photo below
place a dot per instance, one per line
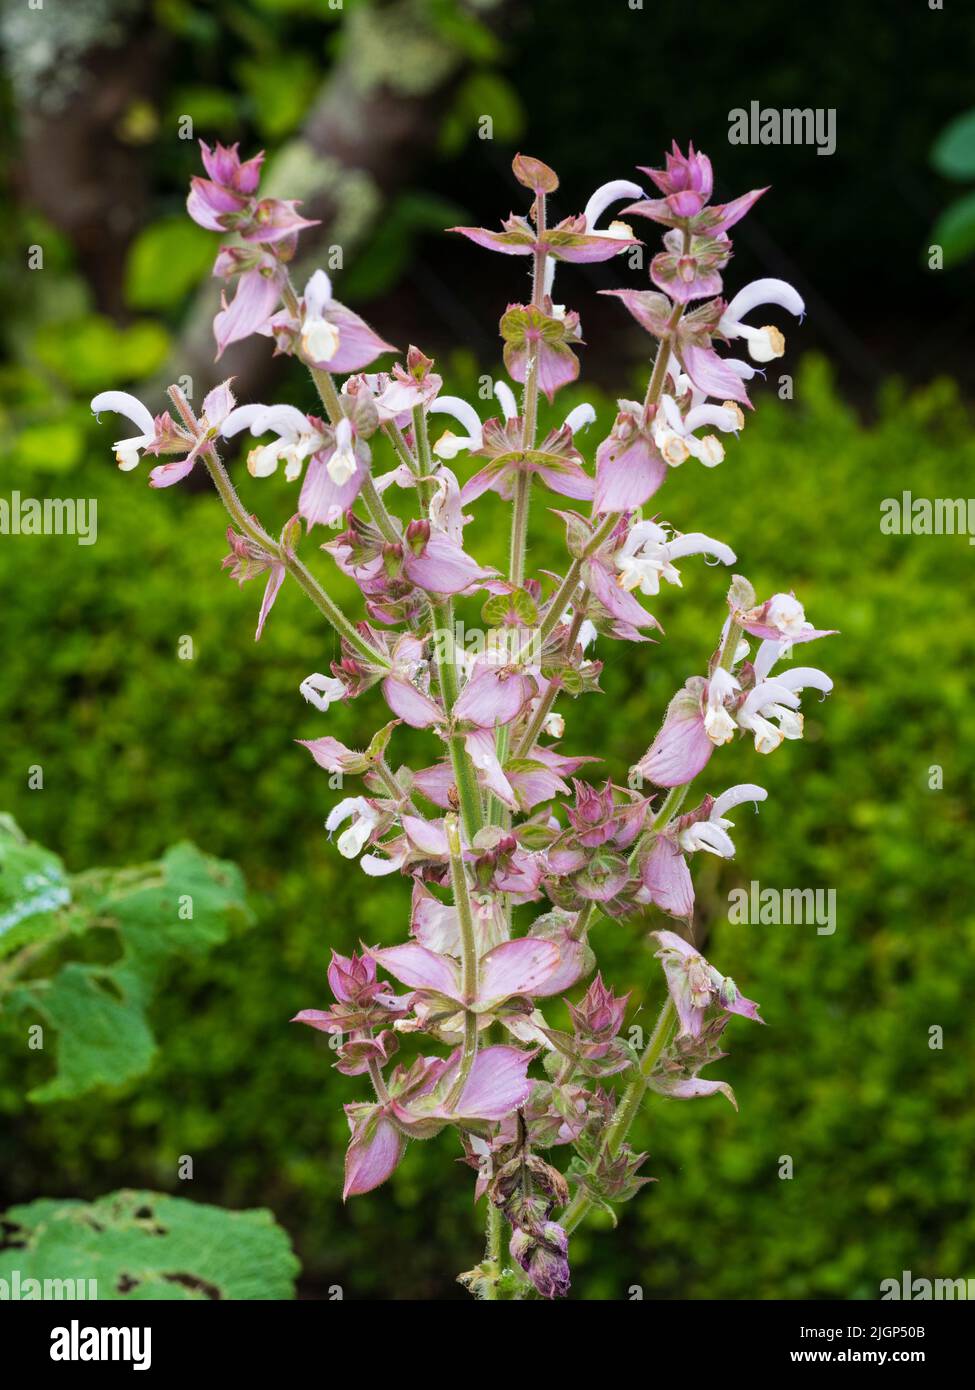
(137, 1246)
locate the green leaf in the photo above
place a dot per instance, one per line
(146, 1245)
(33, 888)
(166, 261)
(953, 153)
(175, 908)
(102, 1039)
(954, 231)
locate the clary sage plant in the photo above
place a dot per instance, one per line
(500, 819)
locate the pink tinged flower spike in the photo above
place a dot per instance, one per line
(522, 967)
(351, 977)
(682, 747)
(629, 466)
(274, 219)
(764, 344)
(617, 601)
(128, 451)
(543, 1254)
(480, 748)
(411, 704)
(258, 295)
(374, 1151)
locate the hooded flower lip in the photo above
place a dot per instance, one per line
(695, 986)
(128, 451)
(764, 344)
(648, 553)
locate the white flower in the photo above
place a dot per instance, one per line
(296, 438)
(787, 614)
(319, 336)
(449, 445)
(364, 820)
(719, 726)
(322, 691)
(674, 433)
(649, 550)
(776, 699)
(128, 451)
(765, 343)
(342, 462)
(712, 834)
(553, 725)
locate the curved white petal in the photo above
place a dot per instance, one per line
(506, 399)
(801, 677)
(579, 418)
(767, 694)
(613, 192)
(240, 419)
(461, 411)
(122, 403)
(765, 658)
(734, 796)
(765, 291)
(696, 543)
(348, 806)
(716, 415)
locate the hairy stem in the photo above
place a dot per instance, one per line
(468, 956)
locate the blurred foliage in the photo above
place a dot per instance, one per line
(140, 748)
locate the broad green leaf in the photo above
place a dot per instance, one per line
(178, 907)
(167, 260)
(146, 1245)
(33, 888)
(101, 1039)
(953, 153)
